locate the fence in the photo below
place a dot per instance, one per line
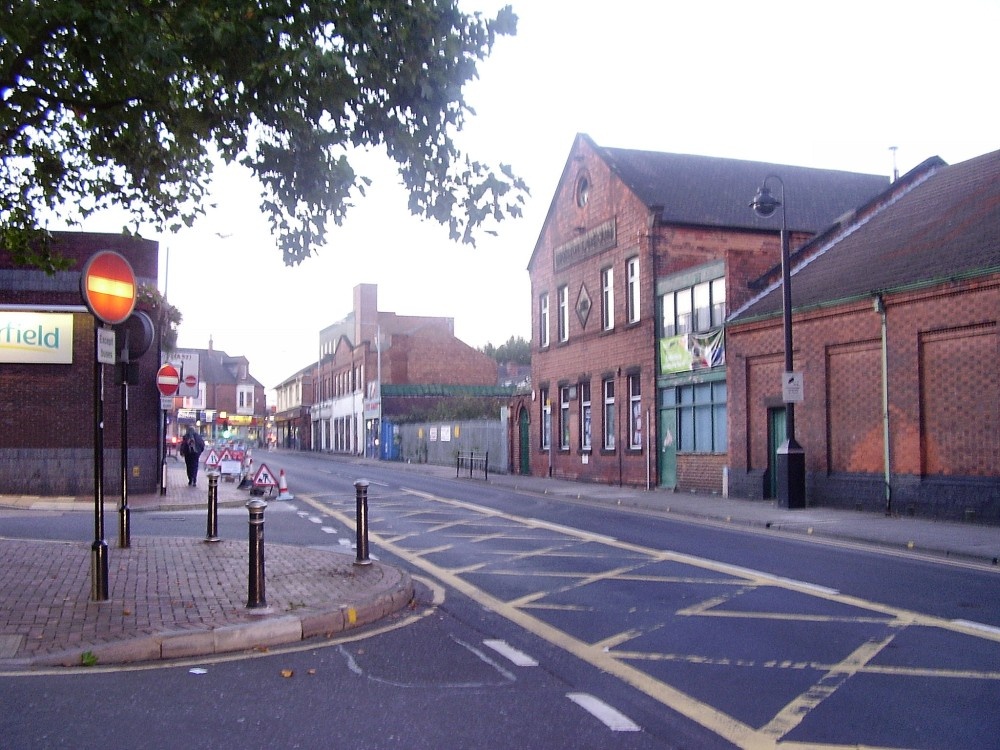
(441, 443)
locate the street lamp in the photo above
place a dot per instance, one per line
(791, 458)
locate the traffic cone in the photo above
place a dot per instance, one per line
(247, 480)
(283, 493)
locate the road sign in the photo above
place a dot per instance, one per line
(168, 379)
(792, 388)
(106, 346)
(108, 287)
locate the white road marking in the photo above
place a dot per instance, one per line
(973, 625)
(519, 658)
(612, 718)
(328, 530)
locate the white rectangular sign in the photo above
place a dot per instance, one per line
(187, 364)
(792, 390)
(36, 338)
(106, 346)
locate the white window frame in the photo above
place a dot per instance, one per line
(632, 289)
(543, 320)
(608, 299)
(635, 411)
(564, 417)
(564, 313)
(586, 417)
(546, 420)
(608, 394)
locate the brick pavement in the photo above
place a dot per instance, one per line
(176, 597)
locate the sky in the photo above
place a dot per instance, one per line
(832, 85)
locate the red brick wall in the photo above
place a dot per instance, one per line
(944, 345)
(591, 354)
(47, 411)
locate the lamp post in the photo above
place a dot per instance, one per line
(791, 458)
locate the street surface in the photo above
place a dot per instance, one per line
(544, 623)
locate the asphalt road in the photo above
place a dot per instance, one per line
(542, 623)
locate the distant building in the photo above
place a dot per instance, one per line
(896, 322)
(639, 257)
(230, 403)
(293, 399)
(47, 399)
(374, 370)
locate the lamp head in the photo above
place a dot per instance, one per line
(764, 203)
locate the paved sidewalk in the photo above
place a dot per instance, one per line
(175, 597)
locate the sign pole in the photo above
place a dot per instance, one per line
(107, 285)
(124, 512)
(99, 548)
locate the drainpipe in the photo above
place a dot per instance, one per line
(880, 309)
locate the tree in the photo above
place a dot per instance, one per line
(129, 102)
(516, 350)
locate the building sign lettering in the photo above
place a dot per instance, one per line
(598, 239)
(36, 338)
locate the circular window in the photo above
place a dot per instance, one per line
(582, 190)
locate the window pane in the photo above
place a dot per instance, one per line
(718, 302)
(719, 440)
(685, 428)
(668, 315)
(702, 307)
(703, 429)
(684, 312)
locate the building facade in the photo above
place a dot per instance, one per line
(895, 323)
(48, 404)
(229, 404)
(368, 351)
(639, 258)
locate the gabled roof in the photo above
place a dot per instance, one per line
(938, 223)
(711, 191)
(218, 368)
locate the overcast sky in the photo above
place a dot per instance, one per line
(818, 84)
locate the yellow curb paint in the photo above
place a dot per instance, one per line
(352, 616)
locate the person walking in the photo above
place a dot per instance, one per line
(191, 447)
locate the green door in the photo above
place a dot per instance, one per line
(668, 448)
(776, 436)
(524, 441)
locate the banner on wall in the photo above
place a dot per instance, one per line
(36, 338)
(692, 351)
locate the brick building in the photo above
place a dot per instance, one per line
(638, 259)
(368, 353)
(293, 397)
(230, 403)
(47, 406)
(895, 323)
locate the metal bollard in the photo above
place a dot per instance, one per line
(212, 530)
(255, 583)
(361, 495)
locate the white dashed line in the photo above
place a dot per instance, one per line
(612, 718)
(519, 658)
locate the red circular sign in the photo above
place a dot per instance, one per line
(168, 380)
(190, 381)
(108, 287)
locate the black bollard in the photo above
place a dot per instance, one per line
(255, 583)
(361, 495)
(212, 532)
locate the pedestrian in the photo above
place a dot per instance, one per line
(191, 447)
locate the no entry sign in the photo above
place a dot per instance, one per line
(168, 380)
(108, 287)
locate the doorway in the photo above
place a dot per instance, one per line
(776, 436)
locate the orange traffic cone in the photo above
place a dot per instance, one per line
(283, 493)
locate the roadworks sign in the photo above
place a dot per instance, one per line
(264, 478)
